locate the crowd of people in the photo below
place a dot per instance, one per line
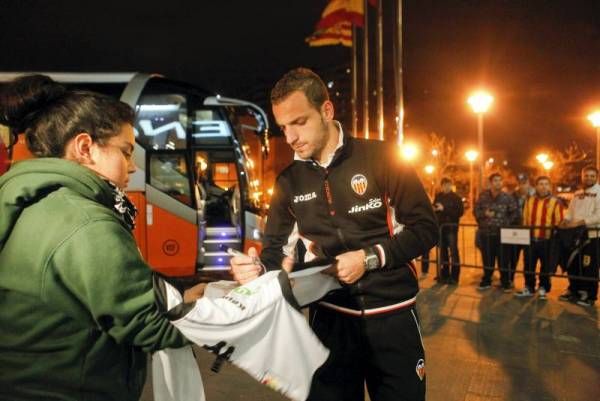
(559, 236)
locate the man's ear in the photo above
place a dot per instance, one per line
(79, 149)
(327, 110)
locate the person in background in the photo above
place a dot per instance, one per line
(77, 306)
(584, 211)
(494, 209)
(448, 207)
(523, 192)
(540, 210)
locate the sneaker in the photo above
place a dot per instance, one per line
(452, 281)
(507, 288)
(525, 292)
(542, 293)
(484, 286)
(586, 302)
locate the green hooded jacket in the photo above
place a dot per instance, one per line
(77, 312)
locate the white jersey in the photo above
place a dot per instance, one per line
(585, 205)
(258, 326)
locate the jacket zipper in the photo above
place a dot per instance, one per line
(340, 235)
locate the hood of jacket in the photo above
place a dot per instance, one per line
(29, 181)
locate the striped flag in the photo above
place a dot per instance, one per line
(335, 25)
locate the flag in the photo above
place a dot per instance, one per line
(335, 25)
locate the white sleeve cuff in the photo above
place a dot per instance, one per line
(381, 252)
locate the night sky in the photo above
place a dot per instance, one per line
(541, 59)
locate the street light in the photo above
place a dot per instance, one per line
(480, 101)
(541, 157)
(548, 164)
(471, 156)
(409, 151)
(595, 120)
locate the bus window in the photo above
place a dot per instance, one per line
(162, 121)
(169, 174)
(209, 128)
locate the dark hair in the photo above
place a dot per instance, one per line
(494, 175)
(589, 168)
(542, 177)
(301, 79)
(50, 115)
(446, 180)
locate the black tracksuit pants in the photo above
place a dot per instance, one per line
(492, 250)
(586, 265)
(539, 249)
(385, 350)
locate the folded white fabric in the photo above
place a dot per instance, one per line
(258, 327)
(175, 375)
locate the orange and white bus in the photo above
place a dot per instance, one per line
(201, 180)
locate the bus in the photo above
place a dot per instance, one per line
(202, 180)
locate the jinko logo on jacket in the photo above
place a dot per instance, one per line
(359, 184)
(374, 203)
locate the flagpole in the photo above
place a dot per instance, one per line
(365, 94)
(380, 119)
(398, 73)
(354, 80)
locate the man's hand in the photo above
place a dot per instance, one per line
(245, 268)
(194, 293)
(571, 223)
(349, 266)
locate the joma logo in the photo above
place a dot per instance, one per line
(305, 197)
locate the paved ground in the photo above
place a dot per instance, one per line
(485, 346)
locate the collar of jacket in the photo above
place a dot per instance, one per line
(341, 152)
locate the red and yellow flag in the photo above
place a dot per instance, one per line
(335, 25)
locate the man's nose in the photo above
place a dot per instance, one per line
(291, 136)
(131, 168)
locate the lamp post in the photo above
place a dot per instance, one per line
(480, 102)
(429, 169)
(595, 120)
(471, 156)
(543, 159)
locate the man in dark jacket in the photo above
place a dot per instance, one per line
(448, 208)
(494, 209)
(353, 201)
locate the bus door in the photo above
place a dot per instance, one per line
(251, 132)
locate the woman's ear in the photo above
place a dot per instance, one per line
(79, 149)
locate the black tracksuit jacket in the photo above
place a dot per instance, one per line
(335, 218)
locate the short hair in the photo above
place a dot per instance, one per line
(589, 168)
(304, 80)
(522, 177)
(494, 175)
(446, 180)
(541, 178)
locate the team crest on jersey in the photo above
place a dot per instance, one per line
(359, 184)
(420, 369)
